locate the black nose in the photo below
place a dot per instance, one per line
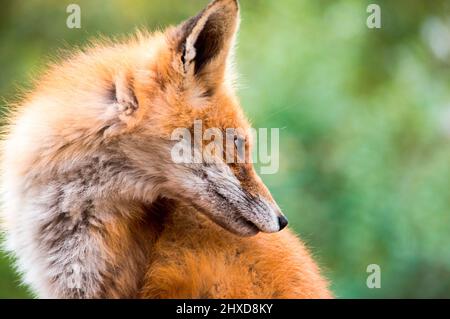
(282, 221)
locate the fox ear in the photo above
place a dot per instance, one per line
(124, 112)
(206, 40)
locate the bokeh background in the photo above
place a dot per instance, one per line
(364, 115)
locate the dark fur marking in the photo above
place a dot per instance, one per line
(209, 42)
(112, 93)
(186, 29)
(208, 93)
(134, 105)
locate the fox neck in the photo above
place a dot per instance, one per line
(96, 220)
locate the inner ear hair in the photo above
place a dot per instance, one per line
(124, 112)
(124, 96)
(207, 37)
(210, 41)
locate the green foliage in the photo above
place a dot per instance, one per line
(364, 173)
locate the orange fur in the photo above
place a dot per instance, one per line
(68, 117)
(194, 258)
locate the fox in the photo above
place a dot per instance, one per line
(94, 205)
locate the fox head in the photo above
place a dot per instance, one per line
(129, 98)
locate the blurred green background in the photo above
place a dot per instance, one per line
(364, 116)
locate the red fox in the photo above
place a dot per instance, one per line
(95, 207)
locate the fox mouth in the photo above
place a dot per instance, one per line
(216, 193)
(229, 217)
(235, 216)
(247, 228)
(241, 226)
(253, 229)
